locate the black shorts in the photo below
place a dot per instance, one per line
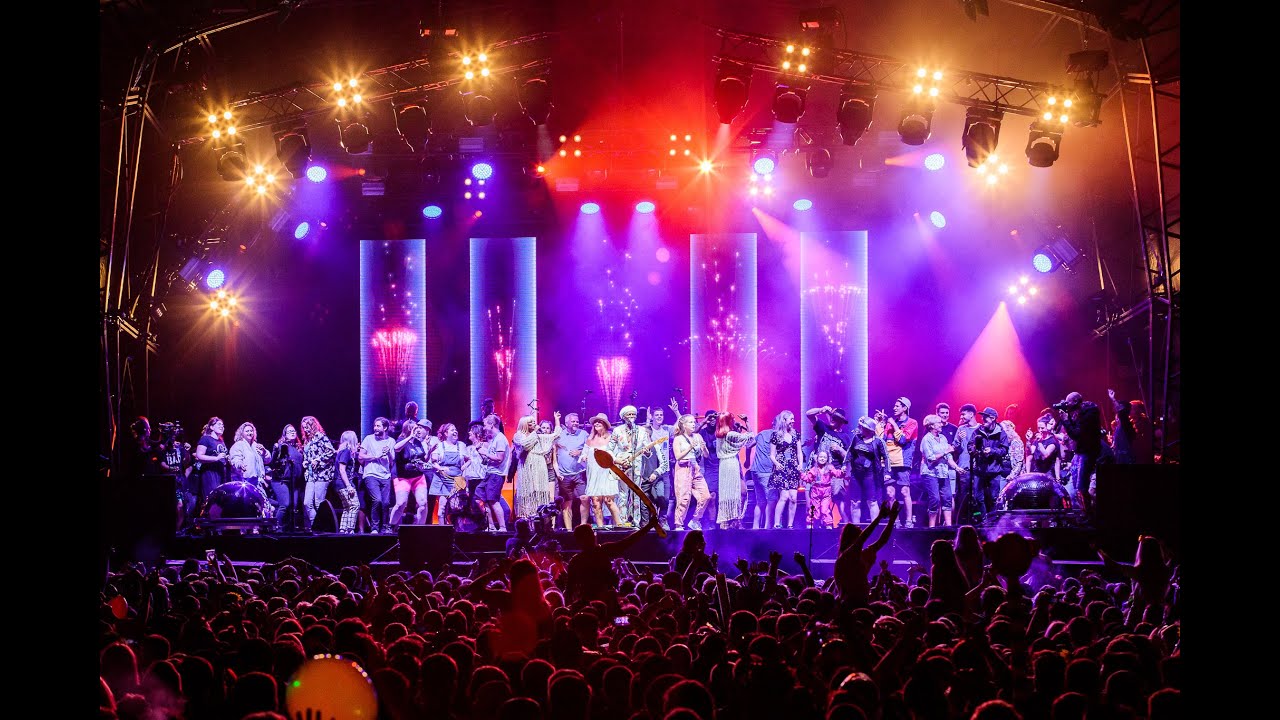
(490, 488)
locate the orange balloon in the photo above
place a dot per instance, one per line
(332, 688)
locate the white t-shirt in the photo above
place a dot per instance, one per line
(380, 466)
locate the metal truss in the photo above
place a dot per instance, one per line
(401, 81)
(961, 87)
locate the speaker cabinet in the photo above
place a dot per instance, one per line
(425, 547)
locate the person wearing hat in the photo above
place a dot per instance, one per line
(937, 467)
(988, 450)
(644, 469)
(869, 465)
(901, 435)
(1083, 422)
(833, 433)
(602, 484)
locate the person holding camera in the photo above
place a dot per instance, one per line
(989, 456)
(1083, 422)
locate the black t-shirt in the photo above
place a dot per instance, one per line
(213, 446)
(844, 435)
(405, 457)
(286, 462)
(346, 457)
(1044, 464)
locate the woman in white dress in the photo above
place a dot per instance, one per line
(729, 443)
(534, 487)
(602, 484)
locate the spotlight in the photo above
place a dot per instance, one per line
(765, 163)
(413, 124)
(482, 171)
(354, 137)
(645, 207)
(854, 111)
(590, 208)
(317, 174)
(1042, 262)
(788, 102)
(916, 121)
(938, 219)
(1044, 143)
(293, 149)
(981, 134)
(819, 162)
(301, 230)
(535, 99)
(232, 166)
(1057, 253)
(802, 204)
(478, 108)
(431, 212)
(215, 279)
(706, 166)
(935, 161)
(732, 87)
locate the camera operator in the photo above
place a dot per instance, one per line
(989, 456)
(1083, 422)
(142, 456)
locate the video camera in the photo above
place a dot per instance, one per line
(171, 429)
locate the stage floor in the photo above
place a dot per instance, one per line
(433, 545)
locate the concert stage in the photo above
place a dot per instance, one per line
(430, 546)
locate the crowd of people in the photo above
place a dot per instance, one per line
(694, 473)
(977, 633)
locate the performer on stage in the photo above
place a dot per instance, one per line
(784, 453)
(249, 458)
(377, 456)
(688, 447)
(644, 469)
(759, 476)
(411, 473)
(988, 450)
(446, 472)
(287, 480)
(348, 479)
(729, 442)
(602, 484)
(833, 434)
(570, 470)
(936, 468)
(212, 458)
(820, 478)
(533, 483)
(496, 454)
(943, 411)
(901, 434)
(317, 459)
(869, 466)
(966, 510)
(1044, 452)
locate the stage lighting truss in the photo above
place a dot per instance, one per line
(733, 84)
(981, 134)
(854, 111)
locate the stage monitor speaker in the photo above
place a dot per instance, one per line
(1140, 500)
(326, 518)
(425, 547)
(139, 516)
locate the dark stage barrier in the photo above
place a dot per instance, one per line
(1140, 500)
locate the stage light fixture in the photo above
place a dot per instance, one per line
(705, 166)
(232, 165)
(935, 162)
(478, 108)
(938, 219)
(317, 174)
(590, 208)
(1042, 262)
(854, 111)
(733, 83)
(215, 279)
(413, 123)
(1057, 253)
(789, 101)
(301, 230)
(431, 212)
(1044, 142)
(981, 134)
(645, 207)
(916, 121)
(354, 137)
(802, 204)
(819, 162)
(534, 96)
(765, 162)
(293, 149)
(482, 171)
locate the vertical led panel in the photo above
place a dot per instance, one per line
(833, 321)
(393, 329)
(723, 340)
(504, 330)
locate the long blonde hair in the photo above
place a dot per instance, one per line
(240, 431)
(349, 440)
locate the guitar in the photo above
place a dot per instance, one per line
(605, 460)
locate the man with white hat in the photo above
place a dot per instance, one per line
(627, 439)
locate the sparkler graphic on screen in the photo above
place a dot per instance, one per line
(613, 373)
(502, 338)
(395, 359)
(832, 308)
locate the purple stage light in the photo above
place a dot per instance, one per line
(1042, 262)
(802, 204)
(317, 174)
(644, 206)
(938, 219)
(482, 171)
(301, 230)
(935, 161)
(215, 279)
(432, 212)
(590, 208)
(764, 165)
